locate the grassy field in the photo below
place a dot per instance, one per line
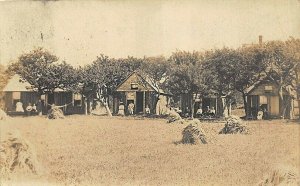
(90, 150)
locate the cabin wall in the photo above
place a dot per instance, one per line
(149, 98)
(204, 103)
(25, 98)
(261, 89)
(62, 98)
(272, 103)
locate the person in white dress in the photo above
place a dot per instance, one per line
(121, 109)
(19, 107)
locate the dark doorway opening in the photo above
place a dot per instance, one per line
(50, 99)
(139, 102)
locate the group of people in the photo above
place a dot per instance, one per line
(130, 109)
(208, 112)
(30, 108)
(261, 113)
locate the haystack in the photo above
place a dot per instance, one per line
(17, 156)
(193, 134)
(55, 113)
(173, 116)
(282, 176)
(3, 115)
(234, 125)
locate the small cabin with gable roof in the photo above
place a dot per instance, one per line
(139, 91)
(18, 90)
(265, 95)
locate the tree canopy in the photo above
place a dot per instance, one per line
(219, 72)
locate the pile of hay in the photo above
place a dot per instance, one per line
(3, 115)
(17, 156)
(282, 176)
(55, 113)
(173, 116)
(193, 134)
(234, 125)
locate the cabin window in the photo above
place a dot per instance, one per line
(263, 100)
(134, 86)
(77, 100)
(43, 97)
(268, 88)
(16, 95)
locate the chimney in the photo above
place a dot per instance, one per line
(260, 39)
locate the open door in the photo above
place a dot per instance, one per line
(274, 105)
(139, 102)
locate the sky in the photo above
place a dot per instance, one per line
(79, 31)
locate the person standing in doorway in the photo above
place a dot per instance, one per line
(131, 108)
(39, 107)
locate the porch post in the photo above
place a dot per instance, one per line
(144, 101)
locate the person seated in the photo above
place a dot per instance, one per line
(212, 111)
(199, 112)
(29, 109)
(147, 109)
(265, 114)
(34, 109)
(260, 115)
(19, 107)
(121, 109)
(187, 112)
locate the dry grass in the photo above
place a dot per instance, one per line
(90, 150)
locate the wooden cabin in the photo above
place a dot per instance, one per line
(20, 91)
(205, 103)
(264, 95)
(137, 90)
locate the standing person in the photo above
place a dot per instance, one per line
(131, 108)
(39, 107)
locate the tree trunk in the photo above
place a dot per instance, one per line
(107, 110)
(105, 103)
(192, 105)
(229, 108)
(88, 105)
(85, 107)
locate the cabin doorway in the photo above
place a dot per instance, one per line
(274, 105)
(50, 99)
(139, 102)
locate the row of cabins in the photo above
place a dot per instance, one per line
(136, 89)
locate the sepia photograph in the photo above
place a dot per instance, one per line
(149, 92)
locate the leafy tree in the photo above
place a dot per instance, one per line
(185, 75)
(41, 69)
(282, 59)
(99, 79)
(155, 69)
(221, 73)
(249, 68)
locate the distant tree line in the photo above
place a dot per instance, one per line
(219, 72)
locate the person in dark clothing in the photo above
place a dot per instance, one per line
(39, 107)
